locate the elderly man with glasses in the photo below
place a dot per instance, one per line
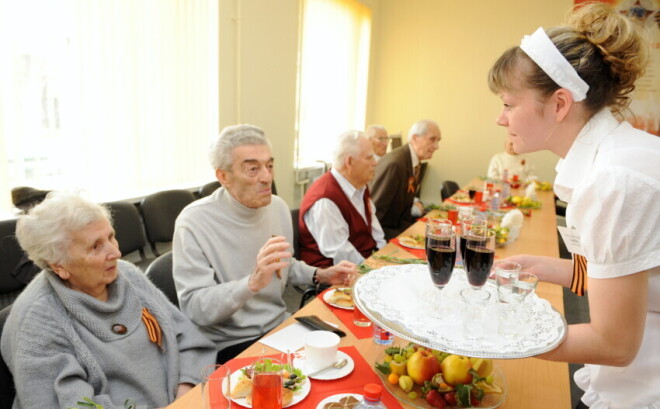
(231, 249)
(379, 140)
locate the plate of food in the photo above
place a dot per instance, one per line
(412, 242)
(427, 378)
(340, 298)
(295, 386)
(340, 401)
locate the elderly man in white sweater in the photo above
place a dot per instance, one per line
(231, 249)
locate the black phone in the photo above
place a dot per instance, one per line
(315, 323)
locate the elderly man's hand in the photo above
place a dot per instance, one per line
(269, 263)
(340, 274)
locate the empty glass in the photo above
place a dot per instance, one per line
(216, 387)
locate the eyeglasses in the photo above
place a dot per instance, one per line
(382, 138)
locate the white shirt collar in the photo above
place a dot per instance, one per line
(349, 190)
(580, 157)
(413, 155)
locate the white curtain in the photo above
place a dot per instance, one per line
(334, 69)
(117, 98)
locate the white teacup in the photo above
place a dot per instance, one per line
(320, 349)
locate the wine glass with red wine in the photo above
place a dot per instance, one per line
(440, 254)
(479, 256)
(467, 224)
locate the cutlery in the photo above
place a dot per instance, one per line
(337, 365)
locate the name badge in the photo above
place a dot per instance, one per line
(571, 239)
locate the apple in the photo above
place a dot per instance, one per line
(422, 365)
(455, 369)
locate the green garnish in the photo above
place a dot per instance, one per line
(397, 260)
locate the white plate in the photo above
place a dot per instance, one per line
(396, 298)
(326, 298)
(335, 398)
(330, 373)
(410, 245)
(297, 395)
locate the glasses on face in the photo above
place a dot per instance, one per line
(382, 138)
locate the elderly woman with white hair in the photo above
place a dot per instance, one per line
(91, 325)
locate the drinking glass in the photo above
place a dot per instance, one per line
(479, 255)
(475, 305)
(216, 387)
(512, 315)
(359, 318)
(467, 224)
(267, 384)
(506, 272)
(440, 254)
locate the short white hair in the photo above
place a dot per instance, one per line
(45, 232)
(421, 128)
(347, 145)
(232, 137)
(369, 131)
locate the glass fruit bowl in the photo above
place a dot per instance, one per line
(490, 400)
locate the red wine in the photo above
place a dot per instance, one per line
(479, 261)
(463, 246)
(441, 263)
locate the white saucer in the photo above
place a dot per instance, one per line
(330, 373)
(335, 398)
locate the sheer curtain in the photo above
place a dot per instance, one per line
(117, 98)
(334, 68)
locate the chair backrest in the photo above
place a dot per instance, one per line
(208, 188)
(449, 187)
(128, 227)
(7, 390)
(295, 213)
(160, 273)
(159, 212)
(10, 254)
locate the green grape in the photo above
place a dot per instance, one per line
(399, 358)
(412, 395)
(489, 379)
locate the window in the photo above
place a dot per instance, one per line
(334, 65)
(114, 98)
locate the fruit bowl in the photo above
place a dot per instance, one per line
(490, 400)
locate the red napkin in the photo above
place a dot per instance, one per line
(346, 316)
(352, 383)
(419, 253)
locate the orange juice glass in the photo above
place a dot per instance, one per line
(267, 384)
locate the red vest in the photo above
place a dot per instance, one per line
(359, 231)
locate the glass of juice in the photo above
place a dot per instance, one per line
(267, 384)
(479, 256)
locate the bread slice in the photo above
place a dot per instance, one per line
(242, 388)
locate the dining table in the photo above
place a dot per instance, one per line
(531, 382)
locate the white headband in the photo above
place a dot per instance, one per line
(545, 54)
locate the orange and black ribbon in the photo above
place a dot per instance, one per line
(153, 328)
(411, 185)
(579, 282)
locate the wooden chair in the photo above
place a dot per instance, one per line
(159, 213)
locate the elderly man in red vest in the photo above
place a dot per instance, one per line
(337, 217)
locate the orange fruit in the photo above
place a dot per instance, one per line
(393, 378)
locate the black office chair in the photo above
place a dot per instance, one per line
(160, 273)
(128, 227)
(159, 212)
(10, 255)
(449, 187)
(7, 389)
(208, 188)
(307, 291)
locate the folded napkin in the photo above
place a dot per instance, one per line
(351, 383)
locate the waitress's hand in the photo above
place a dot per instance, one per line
(549, 269)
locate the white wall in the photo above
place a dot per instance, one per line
(258, 71)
